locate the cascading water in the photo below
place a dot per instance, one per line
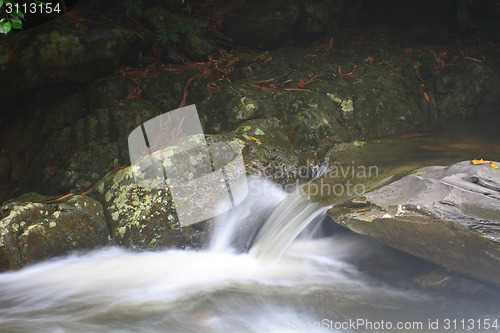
(284, 224)
(237, 228)
(315, 285)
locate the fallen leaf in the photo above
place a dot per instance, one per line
(301, 84)
(330, 44)
(481, 161)
(473, 59)
(296, 89)
(426, 97)
(494, 165)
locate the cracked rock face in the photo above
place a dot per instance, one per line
(447, 215)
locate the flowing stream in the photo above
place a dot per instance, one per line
(290, 280)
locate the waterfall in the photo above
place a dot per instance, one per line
(284, 224)
(236, 229)
(266, 222)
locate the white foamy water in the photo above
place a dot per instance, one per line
(315, 281)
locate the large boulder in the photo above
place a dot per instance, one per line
(447, 215)
(32, 228)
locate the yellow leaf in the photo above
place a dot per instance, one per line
(480, 162)
(494, 165)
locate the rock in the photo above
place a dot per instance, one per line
(171, 5)
(64, 112)
(345, 11)
(261, 24)
(31, 230)
(492, 30)
(4, 176)
(188, 30)
(314, 17)
(269, 152)
(165, 91)
(4, 168)
(338, 109)
(235, 104)
(196, 47)
(142, 217)
(438, 280)
(447, 215)
(76, 157)
(58, 51)
(162, 19)
(474, 85)
(108, 89)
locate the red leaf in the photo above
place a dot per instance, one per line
(426, 97)
(301, 84)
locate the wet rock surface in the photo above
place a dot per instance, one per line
(447, 215)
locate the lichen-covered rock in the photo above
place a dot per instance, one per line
(31, 230)
(447, 215)
(142, 217)
(58, 51)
